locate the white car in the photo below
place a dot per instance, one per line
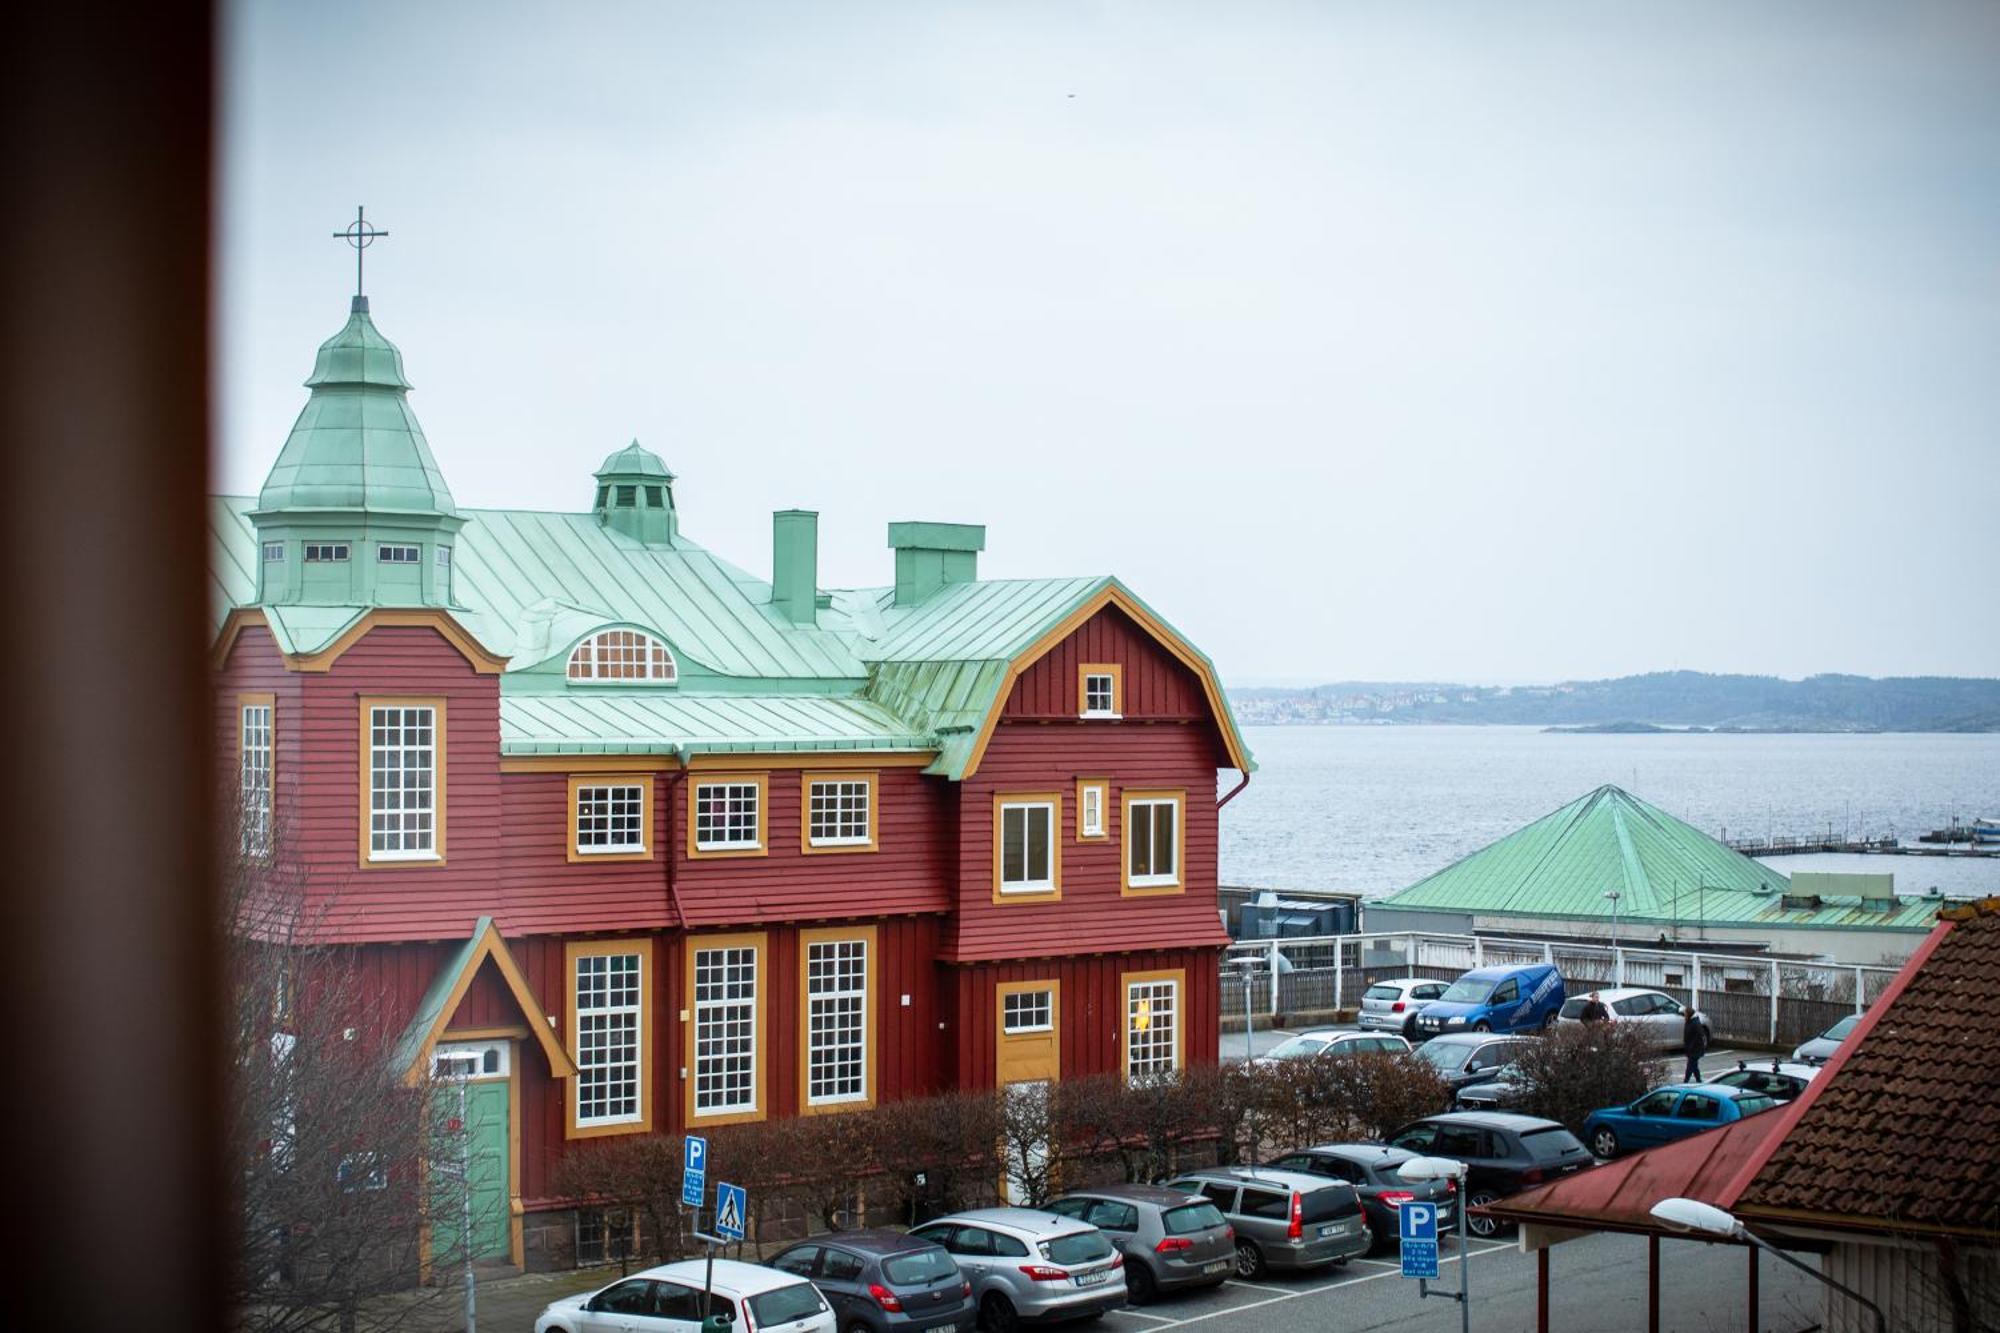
(1333, 1041)
(668, 1299)
(1392, 1005)
(1656, 1013)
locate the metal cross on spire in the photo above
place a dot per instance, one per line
(360, 234)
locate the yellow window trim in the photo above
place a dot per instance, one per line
(757, 940)
(573, 950)
(644, 782)
(1001, 800)
(1026, 1056)
(361, 757)
(762, 781)
(870, 1051)
(1117, 673)
(1125, 886)
(1103, 786)
(806, 780)
(1126, 980)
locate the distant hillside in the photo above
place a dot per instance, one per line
(1659, 699)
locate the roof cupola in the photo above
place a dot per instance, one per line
(635, 496)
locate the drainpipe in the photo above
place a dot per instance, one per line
(673, 894)
(1235, 791)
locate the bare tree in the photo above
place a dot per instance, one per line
(328, 1147)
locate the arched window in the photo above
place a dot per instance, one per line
(622, 654)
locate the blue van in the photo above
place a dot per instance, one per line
(1496, 999)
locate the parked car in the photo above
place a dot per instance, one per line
(1669, 1113)
(1659, 1015)
(1496, 999)
(1027, 1266)
(1171, 1239)
(1821, 1048)
(1780, 1080)
(884, 1281)
(1393, 1004)
(1504, 1154)
(1332, 1041)
(1286, 1221)
(1461, 1058)
(669, 1299)
(1503, 1091)
(1371, 1169)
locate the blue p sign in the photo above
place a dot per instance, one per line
(694, 1156)
(1417, 1221)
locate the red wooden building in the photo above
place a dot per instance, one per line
(640, 843)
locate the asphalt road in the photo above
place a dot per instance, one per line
(1596, 1283)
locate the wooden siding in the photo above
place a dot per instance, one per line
(1092, 916)
(542, 890)
(1091, 1032)
(909, 872)
(1155, 684)
(255, 666)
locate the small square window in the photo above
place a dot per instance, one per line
(398, 555)
(444, 557)
(1028, 1011)
(1098, 689)
(274, 551)
(325, 553)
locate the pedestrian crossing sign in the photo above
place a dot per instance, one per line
(731, 1203)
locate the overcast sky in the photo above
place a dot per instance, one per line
(1474, 342)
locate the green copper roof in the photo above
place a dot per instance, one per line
(356, 445)
(1664, 870)
(635, 460)
(695, 723)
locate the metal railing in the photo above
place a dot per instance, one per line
(1746, 998)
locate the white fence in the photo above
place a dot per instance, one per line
(1746, 997)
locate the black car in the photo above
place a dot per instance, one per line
(1371, 1169)
(1501, 1090)
(1469, 1057)
(884, 1281)
(1505, 1154)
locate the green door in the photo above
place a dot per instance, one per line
(479, 1139)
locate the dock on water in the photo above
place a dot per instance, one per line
(1852, 846)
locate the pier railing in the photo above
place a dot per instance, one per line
(1747, 998)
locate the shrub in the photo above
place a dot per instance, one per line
(1581, 1067)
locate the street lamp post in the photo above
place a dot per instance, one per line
(1694, 1215)
(1443, 1168)
(1612, 896)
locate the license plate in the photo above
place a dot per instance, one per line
(1219, 1266)
(1092, 1279)
(1324, 1232)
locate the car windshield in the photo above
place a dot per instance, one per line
(1298, 1048)
(1382, 993)
(1573, 1008)
(1467, 990)
(1448, 1057)
(785, 1304)
(915, 1269)
(1753, 1104)
(1546, 1145)
(1189, 1218)
(1078, 1247)
(1839, 1031)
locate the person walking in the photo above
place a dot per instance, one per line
(1593, 1010)
(1694, 1040)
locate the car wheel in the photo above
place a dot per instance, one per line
(1482, 1026)
(1549, 1023)
(1249, 1259)
(1140, 1284)
(1604, 1143)
(858, 1327)
(1410, 1029)
(997, 1314)
(1486, 1228)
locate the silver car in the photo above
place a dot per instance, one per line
(1170, 1240)
(1026, 1265)
(1821, 1048)
(1332, 1041)
(1392, 1005)
(1289, 1221)
(1659, 1015)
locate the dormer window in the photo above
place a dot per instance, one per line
(1098, 689)
(399, 555)
(622, 655)
(325, 553)
(274, 551)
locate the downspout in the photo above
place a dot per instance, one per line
(1235, 791)
(673, 894)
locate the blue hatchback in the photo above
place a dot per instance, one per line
(1669, 1113)
(1495, 999)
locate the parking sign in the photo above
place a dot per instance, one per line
(694, 1171)
(1417, 1228)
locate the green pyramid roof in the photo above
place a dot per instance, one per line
(635, 460)
(1564, 863)
(357, 445)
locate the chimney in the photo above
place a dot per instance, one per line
(795, 564)
(930, 555)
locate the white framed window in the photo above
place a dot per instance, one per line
(274, 551)
(1027, 1011)
(623, 655)
(838, 812)
(1027, 846)
(1152, 842)
(1090, 801)
(727, 816)
(444, 557)
(254, 777)
(609, 994)
(319, 553)
(399, 555)
(836, 1021)
(402, 782)
(471, 1059)
(1098, 686)
(610, 818)
(725, 1029)
(1152, 1028)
